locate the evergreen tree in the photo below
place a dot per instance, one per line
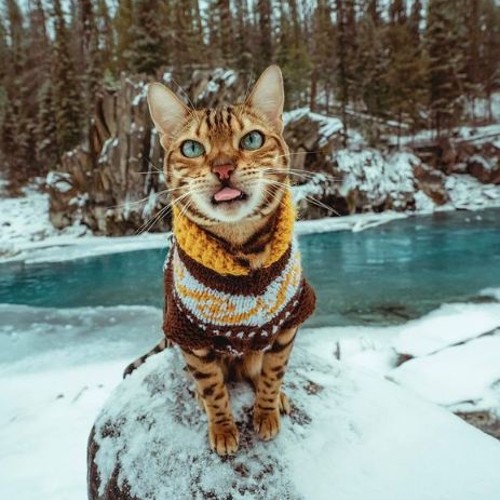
(489, 61)
(322, 53)
(406, 70)
(46, 129)
(105, 41)
(371, 67)
(415, 22)
(446, 42)
(67, 100)
(89, 68)
(123, 27)
(148, 43)
(243, 56)
(346, 55)
(265, 45)
(292, 54)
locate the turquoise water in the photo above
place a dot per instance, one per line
(383, 275)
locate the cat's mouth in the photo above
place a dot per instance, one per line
(228, 194)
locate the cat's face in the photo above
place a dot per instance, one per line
(226, 164)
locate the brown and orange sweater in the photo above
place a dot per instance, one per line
(212, 300)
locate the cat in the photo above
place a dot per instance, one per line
(234, 289)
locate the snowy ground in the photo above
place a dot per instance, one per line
(369, 438)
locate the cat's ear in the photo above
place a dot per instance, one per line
(268, 95)
(167, 111)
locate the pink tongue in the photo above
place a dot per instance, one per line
(227, 194)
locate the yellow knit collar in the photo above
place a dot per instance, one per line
(205, 249)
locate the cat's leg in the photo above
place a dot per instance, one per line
(269, 399)
(251, 369)
(208, 374)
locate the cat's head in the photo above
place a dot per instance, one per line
(224, 164)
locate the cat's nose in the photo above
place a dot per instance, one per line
(223, 169)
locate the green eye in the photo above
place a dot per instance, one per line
(253, 140)
(192, 149)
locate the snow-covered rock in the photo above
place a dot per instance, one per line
(349, 435)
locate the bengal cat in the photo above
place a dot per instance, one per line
(234, 289)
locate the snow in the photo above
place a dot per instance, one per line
(352, 432)
(378, 178)
(479, 135)
(467, 192)
(423, 203)
(454, 353)
(359, 436)
(486, 164)
(457, 375)
(57, 367)
(61, 181)
(449, 325)
(24, 222)
(328, 126)
(492, 293)
(354, 223)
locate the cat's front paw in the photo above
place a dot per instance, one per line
(224, 438)
(266, 424)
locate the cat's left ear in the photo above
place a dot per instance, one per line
(268, 96)
(167, 111)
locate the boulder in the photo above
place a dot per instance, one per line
(484, 168)
(350, 436)
(431, 182)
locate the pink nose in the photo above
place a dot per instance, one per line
(223, 172)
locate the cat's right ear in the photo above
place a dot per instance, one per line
(167, 111)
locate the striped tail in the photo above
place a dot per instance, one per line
(164, 344)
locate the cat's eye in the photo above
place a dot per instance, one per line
(192, 149)
(252, 141)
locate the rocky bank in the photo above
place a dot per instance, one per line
(114, 184)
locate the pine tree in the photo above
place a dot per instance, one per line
(67, 94)
(46, 129)
(346, 55)
(322, 53)
(123, 27)
(371, 67)
(105, 41)
(148, 42)
(446, 42)
(226, 32)
(488, 69)
(243, 57)
(415, 22)
(90, 70)
(405, 68)
(373, 11)
(265, 45)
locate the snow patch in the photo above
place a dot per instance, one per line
(449, 325)
(461, 374)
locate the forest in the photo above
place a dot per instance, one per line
(419, 64)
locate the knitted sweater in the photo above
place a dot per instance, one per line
(213, 300)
